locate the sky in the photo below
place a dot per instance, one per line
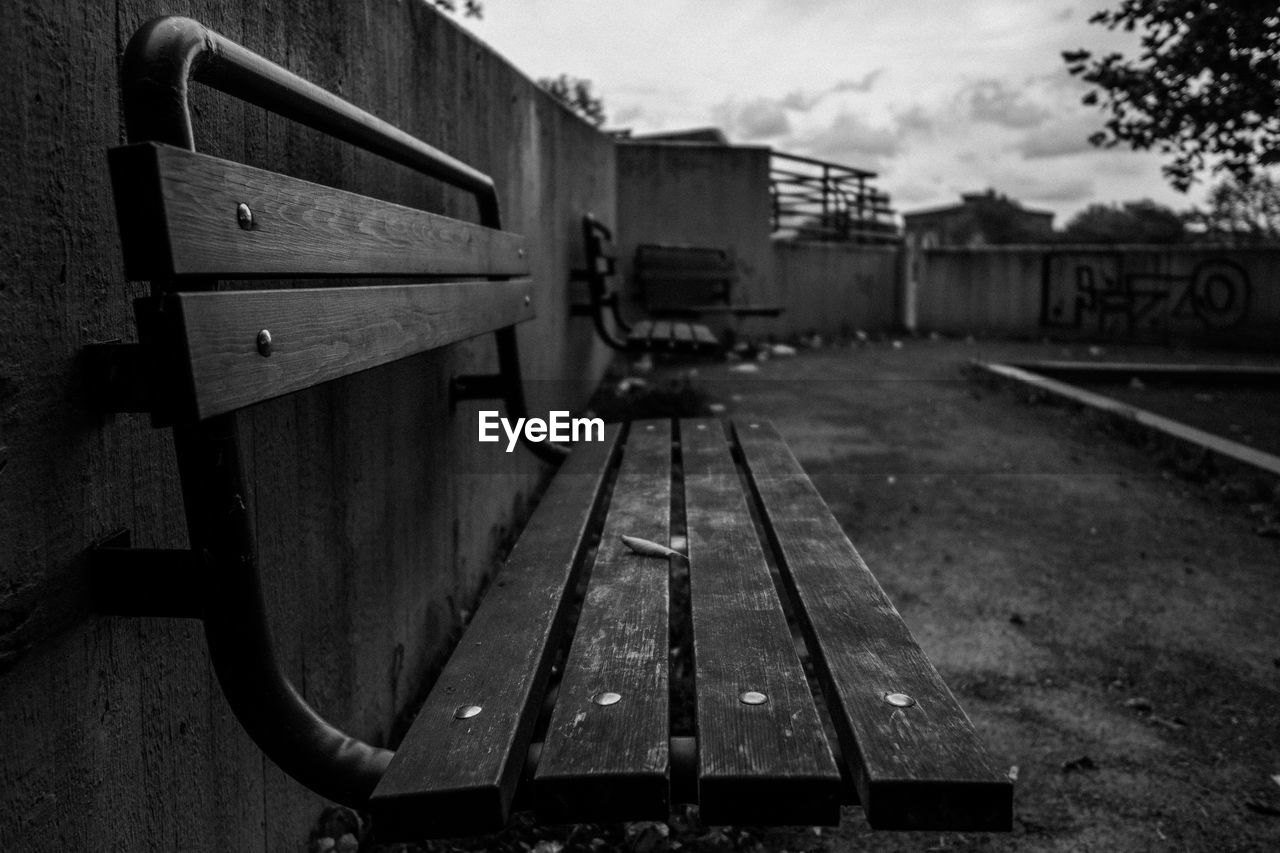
(939, 97)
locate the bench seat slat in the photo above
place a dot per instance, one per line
(761, 763)
(455, 776)
(661, 333)
(658, 255)
(178, 217)
(605, 762)
(320, 334)
(704, 337)
(639, 335)
(916, 767)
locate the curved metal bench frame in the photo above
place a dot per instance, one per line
(160, 61)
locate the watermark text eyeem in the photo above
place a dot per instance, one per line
(557, 427)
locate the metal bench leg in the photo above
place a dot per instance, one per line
(218, 581)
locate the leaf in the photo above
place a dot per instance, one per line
(649, 549)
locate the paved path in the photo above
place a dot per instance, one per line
(1113, 630)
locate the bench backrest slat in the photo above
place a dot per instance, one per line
(673, 276)
(659, 256)
(180, 215)
(317, 334)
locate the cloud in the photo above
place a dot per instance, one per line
(1051, 142)
(1034, 188)
(914, 193)
(865, 84)
(802, 101)
(915, 121)
(799, 101)
(851, 139)
(760, 118)
(1065, 190)
(992, 101)
(628, 114)
(1061, 138)
(770, 118)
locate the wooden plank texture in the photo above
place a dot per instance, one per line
(638, 338)
(921, 766)
(757, 763)
(704, 336)
(661, 334)
(690, 260)
(320, 334)
(178, 213)
(603, 762)
(455, 776)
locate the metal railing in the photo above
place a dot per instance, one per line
(818, 200)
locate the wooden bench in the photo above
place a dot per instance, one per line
(646, 336)
(484, 740)
(690, 281)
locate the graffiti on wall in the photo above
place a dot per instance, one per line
(1094, 292)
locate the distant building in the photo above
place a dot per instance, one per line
(981, 219)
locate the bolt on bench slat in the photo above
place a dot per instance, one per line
(762, 753)
(605, 756)
(188, 214)
(914, 755)
(244, 347)
(457, 770)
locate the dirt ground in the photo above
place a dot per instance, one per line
(1111, 627)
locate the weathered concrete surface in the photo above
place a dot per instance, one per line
(379, 513)
(1055, 574)
(1109, 626)
(1206, 294)
(836, 288)
(704, 195)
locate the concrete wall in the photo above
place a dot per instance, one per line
(1207, 294)
(707, 195)
(380, 515)
(836, 288)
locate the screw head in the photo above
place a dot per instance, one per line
(528, 300)
(607, 697)
(899, 700)
(244, 216)
(466, 712)
(264, 343)
(752, 697)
